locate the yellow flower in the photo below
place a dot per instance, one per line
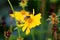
(31, 22)
(19, 15)
(23, 3)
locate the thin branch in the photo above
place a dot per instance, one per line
(11, 5)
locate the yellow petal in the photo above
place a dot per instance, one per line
(24, 27)
(18, 16)
(37, 18)
(20, 25)
(12, 15)
(27, 31)
(32, 25)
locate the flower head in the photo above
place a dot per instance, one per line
(31, 22)
(19, 15)
(23, 3)
(54, 18)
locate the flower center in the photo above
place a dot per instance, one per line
(30, 20)
(23, 12)
(53, 16)
(19, 22)
(23, 2)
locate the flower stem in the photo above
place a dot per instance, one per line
(18, 32)
(12, 10)
(32, 35)
(10, 28)
(23, 8)
(11, 5)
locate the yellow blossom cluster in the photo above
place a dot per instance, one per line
(24, 19)
(29, 20)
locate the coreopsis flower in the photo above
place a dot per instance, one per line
(19, 15)
(23, 3)
(31, 22)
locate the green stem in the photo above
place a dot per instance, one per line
(14, 15)
(11, 5)
(10, 28)
(23, 8)
(11, 8)
(32, 35)
(18, 32)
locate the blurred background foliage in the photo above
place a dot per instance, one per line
(45, 7)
